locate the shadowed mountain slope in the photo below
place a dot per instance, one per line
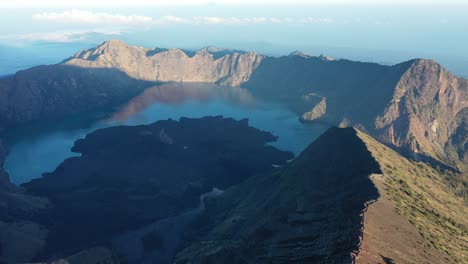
(417, 106)
(307, 212)
(353, 91)
(52, 91)
(345, 199)
(20, 237)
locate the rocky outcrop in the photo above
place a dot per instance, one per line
(209, 65)
(427, 114)
(317, 112)
(307, 212)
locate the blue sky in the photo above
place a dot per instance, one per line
(361, 30)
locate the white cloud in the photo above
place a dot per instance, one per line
(146, 3)
(210, 20)
(275, 20)
(171, 19)
(315, 20)
(88, 17)
(59, 36)
(76, 16)
(260, 20)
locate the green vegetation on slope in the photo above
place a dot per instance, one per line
(427, 198)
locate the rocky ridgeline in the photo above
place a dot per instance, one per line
(427, 115)
(345, 199)
(417, 106)
(208, 65)
(307, 212)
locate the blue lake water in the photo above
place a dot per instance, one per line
(34, 151)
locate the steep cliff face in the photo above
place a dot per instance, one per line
(307, 212)
(427, 114)
(208, 65)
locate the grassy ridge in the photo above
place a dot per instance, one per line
(433, 201)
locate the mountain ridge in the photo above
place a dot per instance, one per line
(420, 214)
(415, 106)
(392, 216)
(298, 214)
(209, 64)
(434, 99)
(385, 101)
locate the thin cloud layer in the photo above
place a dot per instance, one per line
(89, 17)
(153, 3)
(58, 36)
(259, 20)
(75, 16)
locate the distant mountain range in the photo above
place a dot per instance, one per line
(416, 107)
